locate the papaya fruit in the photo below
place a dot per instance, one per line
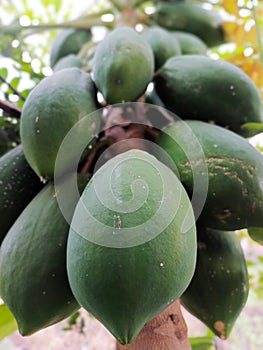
(52, 108)
(132, 243)
(219, 289)
(4, 140)
(163, 44)
(198, 87)
(69, 41)
(190, 44)
(67, 62)
(123, 65)
(256, 234)
(18, 186)
(192, 18)
(33, 277)
(234, 198)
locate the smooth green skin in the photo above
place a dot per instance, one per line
(235, 170)
(33, 277)
(219, 289)
(163, 44)
(67, 62)
(191, 18)
(3, 142)
(123, 65)
(190, 44)
(256, 233)
(197, 87)
(126, 287)
(18, 186)
(54, 106)
(69, 41)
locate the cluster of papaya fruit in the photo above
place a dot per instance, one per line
(135, 240)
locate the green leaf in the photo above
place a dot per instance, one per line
(202, 343)
(14, 82)
(57, 4)
(250, 263)
(3, 72)
(7, 322)
(73, 319)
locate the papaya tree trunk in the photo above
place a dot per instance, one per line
(167, 331)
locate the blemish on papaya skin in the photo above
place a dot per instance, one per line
(223, 164)
(220, 328)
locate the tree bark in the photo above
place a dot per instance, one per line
(167, 331)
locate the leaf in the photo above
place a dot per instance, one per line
(14, 82)
(3, 73)
(57, 4)
(7, 322)
(202, 343)
(73, 319)
(250, 263)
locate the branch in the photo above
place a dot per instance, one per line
(12, 88)
(83, 22)
(10, 108)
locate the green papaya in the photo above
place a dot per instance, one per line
(68, 41)
(233, 167)
(190, 44)
(18, 186)
(67, 62)
(256, 234)
(192, 18)
(198, 87)
(132, 243)
(163, 44)
(4, 140)
(52, 108)
(219, 289)
(123, 65)
(33, 277)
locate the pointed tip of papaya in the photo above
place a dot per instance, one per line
(23, 331)
(128, 337)
(124, 339)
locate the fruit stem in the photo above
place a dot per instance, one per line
(166, 331)
(85, 50)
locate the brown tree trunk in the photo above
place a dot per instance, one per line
(167, 331)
